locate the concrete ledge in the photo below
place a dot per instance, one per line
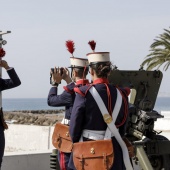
(38, 138)
(27, 161)
(28, 138)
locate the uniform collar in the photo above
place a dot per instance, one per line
(82, 81)
(101, 81)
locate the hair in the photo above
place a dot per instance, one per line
(81, 72)
(102, 69)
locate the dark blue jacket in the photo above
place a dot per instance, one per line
(66, 98)
(86, 115)
(14, 80)
(5, 84)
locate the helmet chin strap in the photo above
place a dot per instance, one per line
(73, 79)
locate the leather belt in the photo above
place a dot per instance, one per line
(96, 134)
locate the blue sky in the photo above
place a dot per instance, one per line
(40, 28)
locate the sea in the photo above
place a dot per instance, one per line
(161, 104)
(27, 104)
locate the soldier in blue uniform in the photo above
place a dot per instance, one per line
(79, 70)
(5, 84)
(86, 116)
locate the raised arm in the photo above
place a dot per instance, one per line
(14, 80)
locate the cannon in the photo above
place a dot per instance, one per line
(152, 150)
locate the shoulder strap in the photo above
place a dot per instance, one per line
(111, 124)
(103, 108)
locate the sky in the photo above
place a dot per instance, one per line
(39, 29)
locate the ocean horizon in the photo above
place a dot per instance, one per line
(27, 104)
(161, 104)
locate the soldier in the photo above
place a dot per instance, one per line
(5, 84)
(79, 70)
(87, 122)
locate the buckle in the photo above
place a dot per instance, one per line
(107, 118)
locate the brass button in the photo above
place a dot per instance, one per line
(67, 134)
(107, 118)
(92, 151)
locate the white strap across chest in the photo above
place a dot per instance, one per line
(111, 122)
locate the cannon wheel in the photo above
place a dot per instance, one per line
(158, 162)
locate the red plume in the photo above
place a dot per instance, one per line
(2, 52)
(92, 44)
(70, 46)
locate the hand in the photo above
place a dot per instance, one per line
(66, 75)
(56, 76)
(4, 64)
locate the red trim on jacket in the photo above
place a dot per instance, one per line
(101, 81)
(62, 161)
(88, 89)
(127, 91)
(125, 108)
(82, 82)
(68, 90)
(77, 90)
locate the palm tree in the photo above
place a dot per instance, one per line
(160, 52)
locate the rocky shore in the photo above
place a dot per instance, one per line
(34, 117)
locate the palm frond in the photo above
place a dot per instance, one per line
(156, 44)
(166, 44)
(158, 57)
(159, 52)
(147, 61)
(168, 31)
(166, 36)
(159, 66)
(166, 66)
(151, 66)
(155, 63)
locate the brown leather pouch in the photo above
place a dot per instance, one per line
(130, 147)
(5, 126)
(93, 155)
(61, 138)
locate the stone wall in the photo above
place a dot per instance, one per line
(34, 117)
